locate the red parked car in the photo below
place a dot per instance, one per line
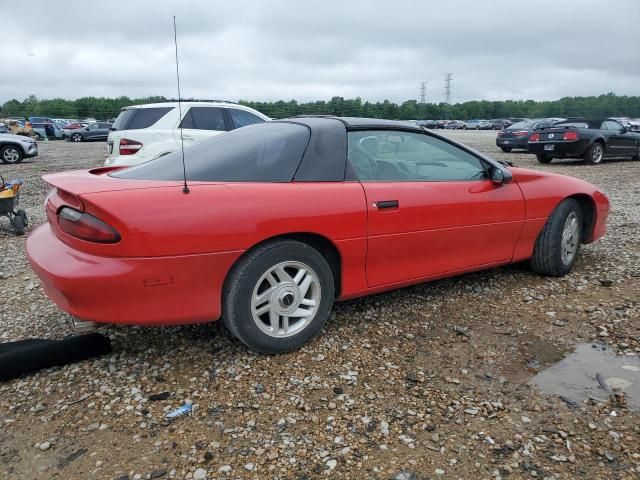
(281, 219)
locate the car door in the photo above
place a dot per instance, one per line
(90, 132)
(200, 123)
(431, 207)
(102, 131)
(620, 142)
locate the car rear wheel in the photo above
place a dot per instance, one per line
(11, 154)
(278, 296)
(556, 249)
(542, 158)
(505, 149)
(76, 137)
(595, 153)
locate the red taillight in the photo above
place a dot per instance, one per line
(522, 133)
(535, 137)
(570, 136)
(500, 133)
(86, 227)
(129, 147)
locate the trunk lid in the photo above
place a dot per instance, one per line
(81, 182)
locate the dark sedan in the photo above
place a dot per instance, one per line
(94, 131)
(592, 140)
(517, 136)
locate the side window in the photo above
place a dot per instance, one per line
(208, 118)
(94, 126)
(390, 156)
(187, 121)
(242, 118)
(611, 125)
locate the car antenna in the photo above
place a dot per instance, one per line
(185, 188)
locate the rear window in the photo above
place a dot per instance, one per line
(242, 118)
(137, 118)
(267, 152)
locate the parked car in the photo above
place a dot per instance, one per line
(441, 123)
(4, 128)
(92, 132)
(432, 124)
(517, 136)
(454, 125)
(146, 132)
(500, 123)
(15, 148)
(47, 128)
(280, 219)
(592, 140)
(477, 125)
(74, 126)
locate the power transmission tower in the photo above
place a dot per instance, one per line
(423, 99)
(447, 87)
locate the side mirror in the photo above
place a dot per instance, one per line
(624, 130)
(501, 175)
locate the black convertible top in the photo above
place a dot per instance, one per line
(357, 123)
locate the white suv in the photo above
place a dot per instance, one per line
(146, 132)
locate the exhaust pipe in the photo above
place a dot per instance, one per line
(83, 326)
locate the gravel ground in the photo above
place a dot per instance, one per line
(423, 382)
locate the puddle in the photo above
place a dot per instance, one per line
(576, 376)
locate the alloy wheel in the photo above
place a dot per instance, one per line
(285, 299)
(570, 238)
(11, 155)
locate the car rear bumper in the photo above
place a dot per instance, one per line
(560, 149)
(513, 142)
(137, 291)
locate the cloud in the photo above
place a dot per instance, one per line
(374, 49)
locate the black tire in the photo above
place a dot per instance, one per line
(505, 149)
(595, 153)
(11, 154)
(637, 155)
(245, 276)
(542, 158)
(77, 137)
(18, 225)
(23, 215)
(547, 253)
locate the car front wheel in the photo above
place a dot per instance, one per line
(557, 246)
(278, 296)
(76, 137)
(11, 154)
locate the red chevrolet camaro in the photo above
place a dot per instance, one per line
(281, 219)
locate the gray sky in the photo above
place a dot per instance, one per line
(307, 50)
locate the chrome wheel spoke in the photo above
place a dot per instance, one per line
(285, 299)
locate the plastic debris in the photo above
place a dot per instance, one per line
(185, 409)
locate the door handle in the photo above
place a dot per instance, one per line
(386, 204)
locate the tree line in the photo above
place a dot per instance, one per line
(607, 105)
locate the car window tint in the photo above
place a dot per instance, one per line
(145, 117)
(391, 156)
(572, 124)
(611, 125)
(266, 152)
(123, 119)
(208, 118)
(187, 121)
(242, 118)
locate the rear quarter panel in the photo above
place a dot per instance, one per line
(233, 217)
